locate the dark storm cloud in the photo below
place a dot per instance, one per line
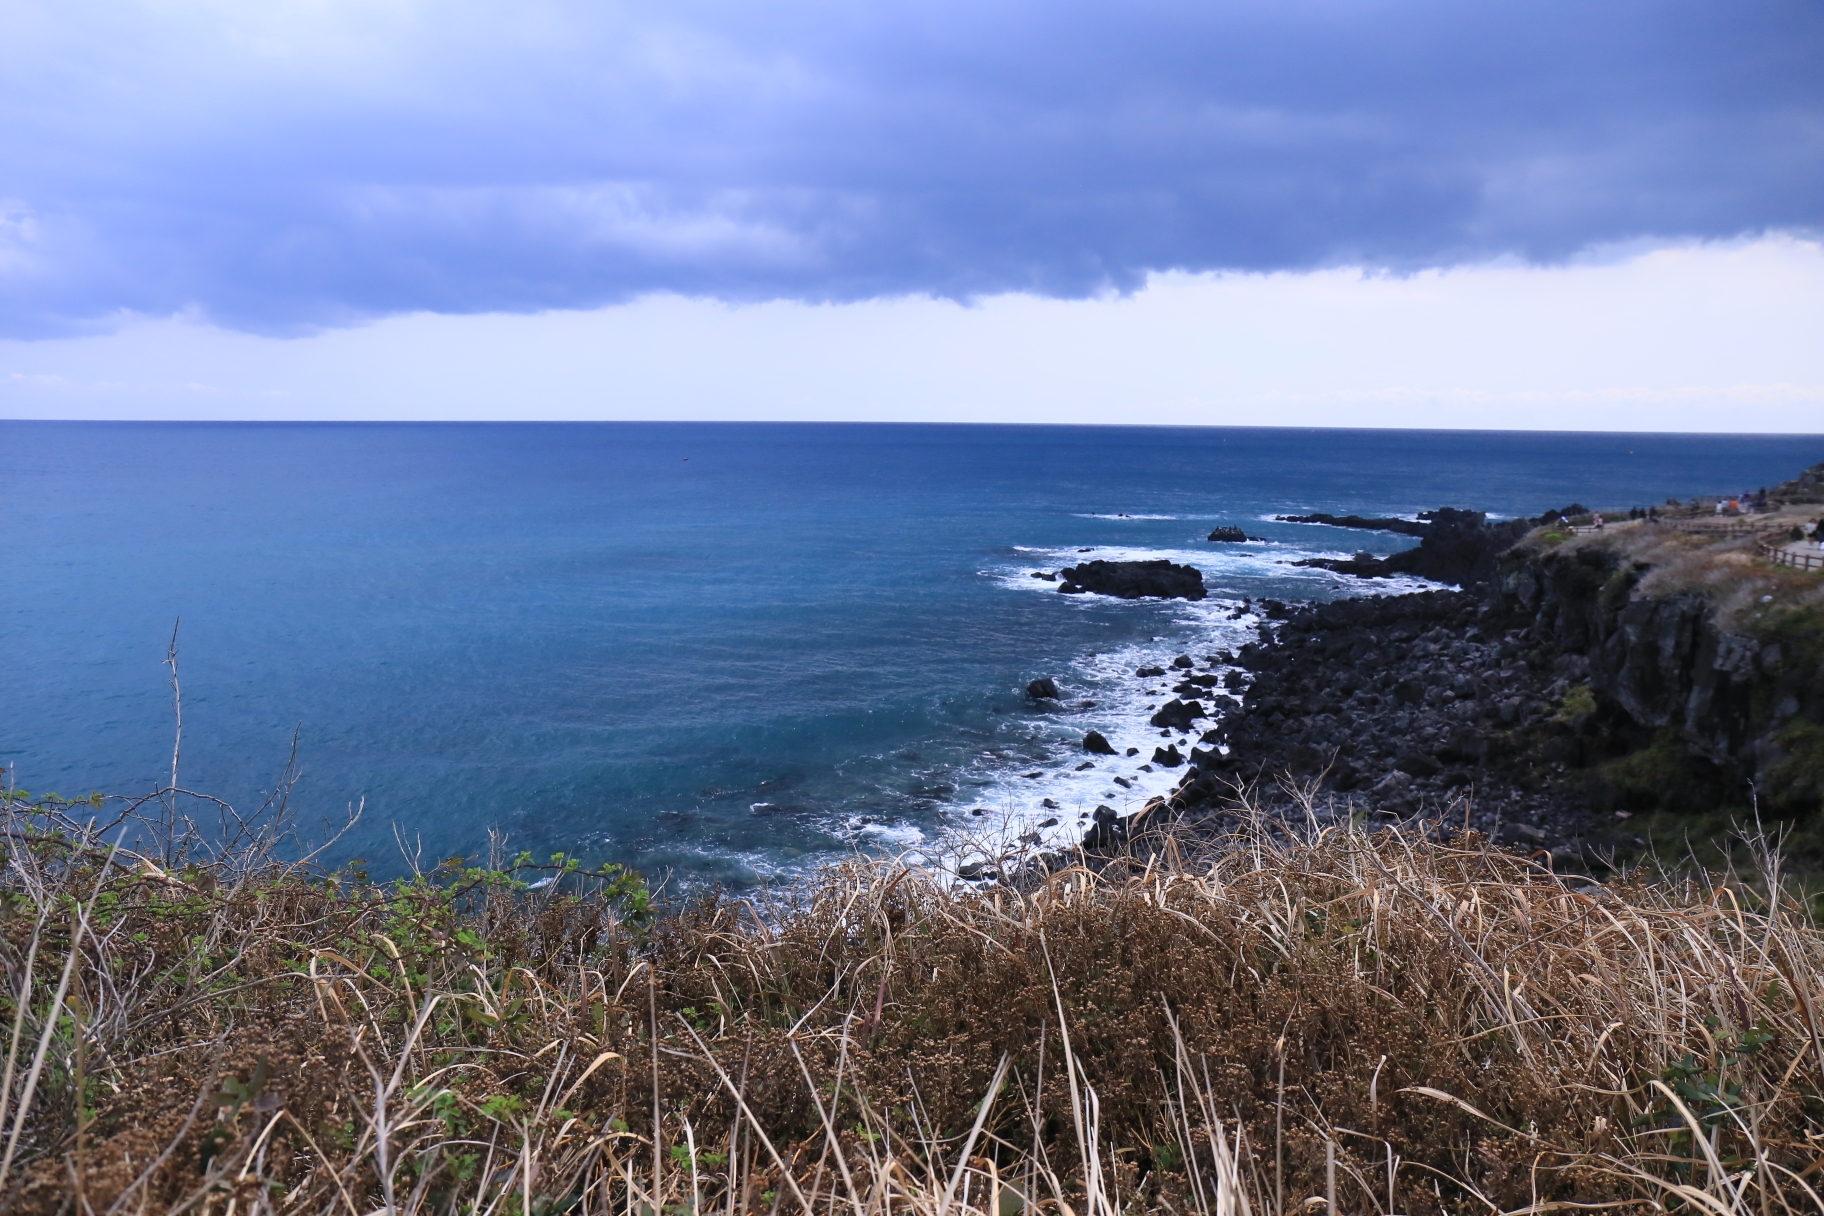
(321, 164)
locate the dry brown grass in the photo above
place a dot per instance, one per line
(1380, 1021)
(1724, 570)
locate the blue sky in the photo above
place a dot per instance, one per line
(313, 207)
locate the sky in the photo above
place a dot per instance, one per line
(1601, 215)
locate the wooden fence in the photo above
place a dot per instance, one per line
(1773, 551)
(1798, 559)
(1719, 530)
(1726, 528)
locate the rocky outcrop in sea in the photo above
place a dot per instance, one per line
(1455, 546)
(1133, 580)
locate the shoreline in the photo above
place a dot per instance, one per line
(1544, 704)
(1100, 691)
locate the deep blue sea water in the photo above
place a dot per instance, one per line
(722, 650)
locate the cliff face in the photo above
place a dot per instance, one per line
(1686, 711)
(1587, 679)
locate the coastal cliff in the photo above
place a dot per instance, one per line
(1576, 682)
(1705, 674)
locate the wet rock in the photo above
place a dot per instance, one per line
(1147, 673)
(1405, 527)
(1230, 535)
(1168, 757)
(1133, 751)
(1135, 580)
(1178, 715)
(1047, 575)
(1455, 546)
(1042, 689)
(1105, 830)
(1183, 662)
(1097, 744)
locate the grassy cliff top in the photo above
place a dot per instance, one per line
(1707, 558)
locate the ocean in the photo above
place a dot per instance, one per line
(716, 652)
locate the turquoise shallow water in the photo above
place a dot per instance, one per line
(716, 649)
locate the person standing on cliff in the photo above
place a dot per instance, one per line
(1597, 521)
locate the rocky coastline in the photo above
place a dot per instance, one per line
(1421, 706)
(1554, 701)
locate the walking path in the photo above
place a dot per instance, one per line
(1799, 554)
(1770, 532)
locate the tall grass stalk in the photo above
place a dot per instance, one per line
(1278, 1022)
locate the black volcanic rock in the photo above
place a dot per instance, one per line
(1526, 689)
(1455, 546)
(1401, 703)
(1418, 764)
(1229, 535)
(1406, 527)
(1134, 580)
(1043, 689)
(1179, 714)
(1097, 744)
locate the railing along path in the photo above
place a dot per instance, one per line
(1798, 559)
(1776, 552)
(1727, 528)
